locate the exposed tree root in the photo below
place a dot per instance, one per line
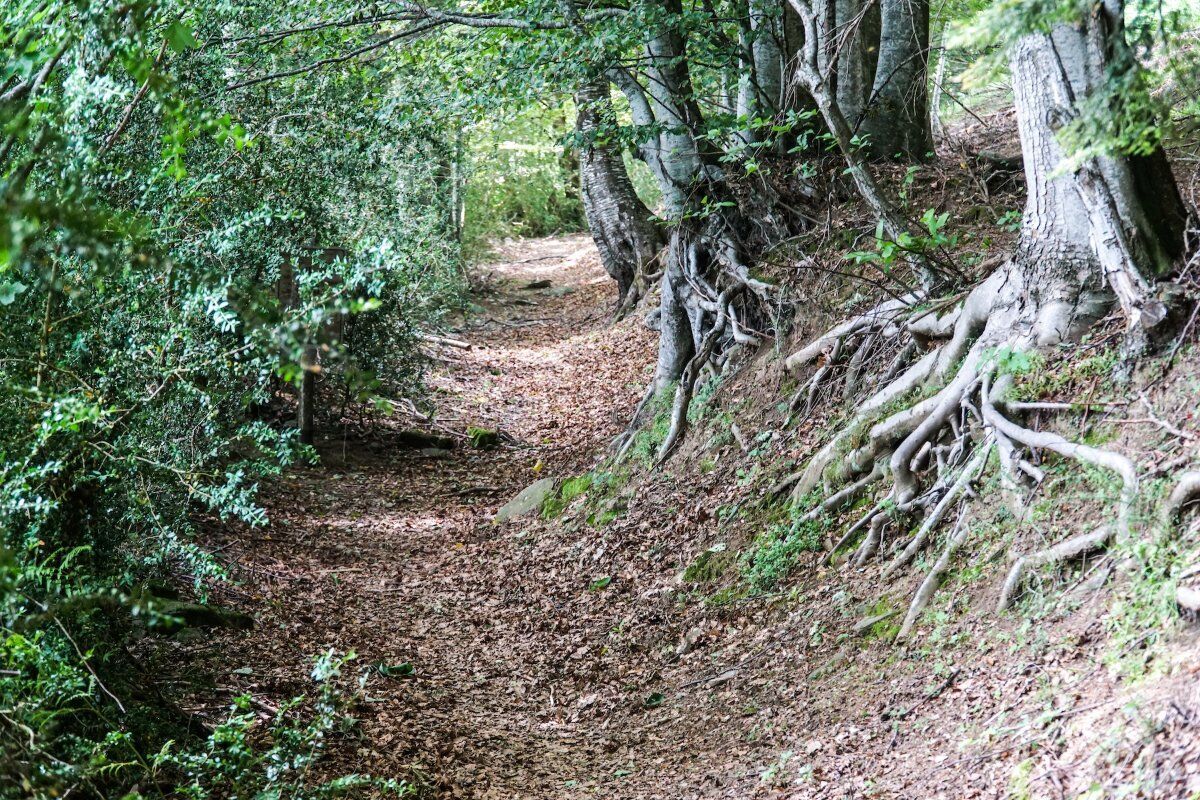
(1186, 492)
(943, 440)
(625, 441)
(969, 473)
(870, 545)
(850, 533)
(1067, 550)
(846, 495)
(1068, 449)
(687, 381)
(933, 579)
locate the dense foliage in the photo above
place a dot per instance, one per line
(149, 333)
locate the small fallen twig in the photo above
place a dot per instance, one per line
(444, 340)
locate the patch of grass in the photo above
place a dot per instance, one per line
(726, 596)
(1044, 379)
(1143, 610)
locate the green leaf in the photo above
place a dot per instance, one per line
(9, 291)
(654, 700)
(404, 670)
(599, 583)
(180, 37)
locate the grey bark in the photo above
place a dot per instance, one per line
(856, 40)
(676, 343)
(679, 160)
(306, 395)
(760, 87)
(627, 235)
(935, 100)
(1108, 227)
(897, 119)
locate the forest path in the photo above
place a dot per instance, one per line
(391, 551)
(566, 659)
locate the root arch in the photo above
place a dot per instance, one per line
(922, 456)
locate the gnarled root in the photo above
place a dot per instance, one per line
(687, 381)
(881, 316)
(1068, 449)
(932, 580)
(874, 538)
(850, 533)
(944, 440)
(1072, 548)
(845, 495)
(1186, 492)
(969, 473)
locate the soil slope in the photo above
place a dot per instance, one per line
(569, 658)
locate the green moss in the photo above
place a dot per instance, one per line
(556, 503)
(702, 400)
(709, 566)
(647, 441)
(885, 629)
(483, 438)
(602, 490)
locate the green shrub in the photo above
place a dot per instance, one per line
(238, 760)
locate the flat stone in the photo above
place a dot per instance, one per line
(528, 501)
(863, 625)
(1188, 598)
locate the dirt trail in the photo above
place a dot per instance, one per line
(391, 552)
(565, 659)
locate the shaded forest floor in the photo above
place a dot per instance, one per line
(570, 658)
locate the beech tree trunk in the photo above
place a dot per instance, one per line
(627, 235)
(760, 87)
(856, 39)
(897, 118)
(680, 160)
(1104, 230)
(712, 234)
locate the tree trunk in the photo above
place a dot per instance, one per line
(760, 88)
(795, 96)
(856, 39)
(680, 161)
(676, 339)
(626, 233)
(713, 233)
(1111, 226)
(306, 394)
(897, 119)
(935, 99)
